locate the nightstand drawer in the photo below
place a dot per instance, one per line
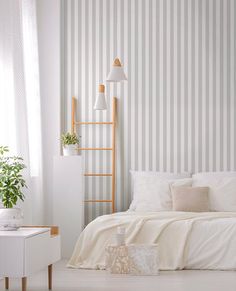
(12, 257)
(37, 253)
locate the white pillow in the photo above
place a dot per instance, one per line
(166, 175)
(222, 189)
(151, 193)
(159, 175)
(221, 174)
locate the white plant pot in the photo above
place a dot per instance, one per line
(70, 150)
(10, 218)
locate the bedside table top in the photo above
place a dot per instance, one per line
(24, 232)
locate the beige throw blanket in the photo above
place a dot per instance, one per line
(171, 230)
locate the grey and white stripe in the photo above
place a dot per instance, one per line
(177, 110)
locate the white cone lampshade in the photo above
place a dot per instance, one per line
(100, 103)
(117, 72)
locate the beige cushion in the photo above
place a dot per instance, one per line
(193, 199)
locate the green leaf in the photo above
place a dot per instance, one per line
(69, 138)
(11, 179)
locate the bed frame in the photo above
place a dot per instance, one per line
(75, 123)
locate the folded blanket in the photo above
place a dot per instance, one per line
(171, 230)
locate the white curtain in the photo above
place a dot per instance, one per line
(20, 113)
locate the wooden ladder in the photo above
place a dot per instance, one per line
(75, 123)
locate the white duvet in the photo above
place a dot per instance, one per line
(186, 240)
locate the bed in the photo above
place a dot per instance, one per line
(186, 240)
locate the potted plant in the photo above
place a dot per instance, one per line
(70, 143)
(11, 185)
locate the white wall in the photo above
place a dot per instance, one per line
(48, 18)
(177, 110)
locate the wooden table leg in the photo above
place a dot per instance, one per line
(24, 283)
(6, 283)
(50, 277)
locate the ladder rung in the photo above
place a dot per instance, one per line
(87, 201)
(93, 122)
(98, 175)
(95, 149)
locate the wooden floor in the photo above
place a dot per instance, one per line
(87, 280)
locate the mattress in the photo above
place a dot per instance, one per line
(185, 240)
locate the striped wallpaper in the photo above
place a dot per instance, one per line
(176, 112)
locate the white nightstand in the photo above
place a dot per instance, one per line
(28, 250)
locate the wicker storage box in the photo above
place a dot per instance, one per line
(132, 259)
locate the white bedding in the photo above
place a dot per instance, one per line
(186, 240)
